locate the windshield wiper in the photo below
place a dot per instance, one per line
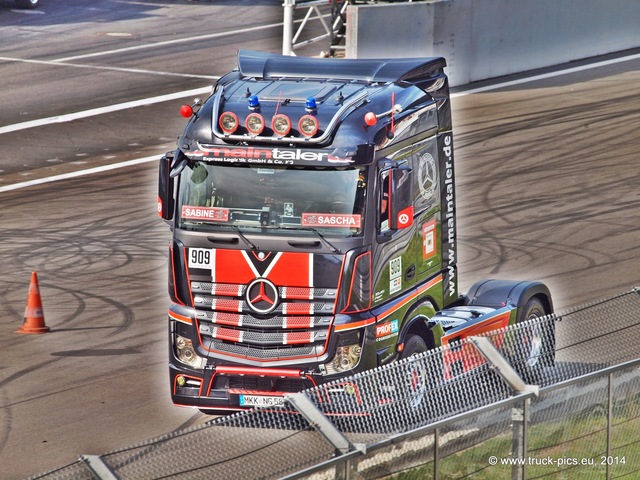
(318, 234)
(246, 240)
(240, 234)
(253, 246)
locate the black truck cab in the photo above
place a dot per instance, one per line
(312, 204)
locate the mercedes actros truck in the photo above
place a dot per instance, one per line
(313, 209)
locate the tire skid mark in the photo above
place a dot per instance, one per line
(6, 418)
(565, 185)
(5, 405)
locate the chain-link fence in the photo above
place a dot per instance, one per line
(449, 413)
(582, 429)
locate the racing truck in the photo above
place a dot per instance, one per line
(312, 205)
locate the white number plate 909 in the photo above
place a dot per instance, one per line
(200, 258)
(260, 401)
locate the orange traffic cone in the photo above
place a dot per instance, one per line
(33, 316)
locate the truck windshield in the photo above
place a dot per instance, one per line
(327, 200)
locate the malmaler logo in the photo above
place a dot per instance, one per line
(449, 222)
(278, 155)
(331, 220)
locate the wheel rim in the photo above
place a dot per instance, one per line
(417, 384)
(533, 345)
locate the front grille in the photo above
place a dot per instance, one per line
(298, 327)
(263, 384)
(266, 354)
(240, 306)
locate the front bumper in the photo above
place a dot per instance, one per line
(228, 389)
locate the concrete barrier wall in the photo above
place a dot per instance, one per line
(483, 39)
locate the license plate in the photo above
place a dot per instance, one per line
(261, 401)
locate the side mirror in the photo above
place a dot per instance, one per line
(165, 187)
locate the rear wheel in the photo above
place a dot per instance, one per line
(534, 345)
(400, 403)
(416, 379)
(413, 346)
(27, 3)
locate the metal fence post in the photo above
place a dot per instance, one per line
(436, 441)
(98, 468)
(287, 31)
(519, 417)
(319, 421)
(506, 371)
(322, 424)
(609, 425)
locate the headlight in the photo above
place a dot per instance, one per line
(346, 358)
(187, 354)
(228, 122)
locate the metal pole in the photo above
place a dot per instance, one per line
(287, 29)
(525, 435)
(609, 425)
(506, 371)
(517, 442)
(320, 422)
(436, 447)
(98, 468)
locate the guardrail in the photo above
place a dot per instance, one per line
(584, 428)
(420, 415)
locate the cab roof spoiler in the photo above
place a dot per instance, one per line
(269, 66)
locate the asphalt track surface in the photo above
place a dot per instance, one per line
(547, 189)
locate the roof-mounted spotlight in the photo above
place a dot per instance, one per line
(228, 122)
(308, 125)
(254, 123)
(281, 124)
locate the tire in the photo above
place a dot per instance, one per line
(416, 382)
(413, 346)
(533, 347)
(28, 4)
(400, 402)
